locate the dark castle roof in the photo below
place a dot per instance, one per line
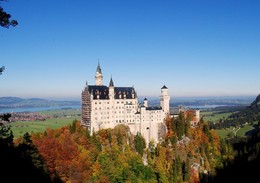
(164, 87)
(99, 69)
(153, 108)
(103, 92)
(111, 83)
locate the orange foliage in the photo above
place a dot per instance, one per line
(194, 176)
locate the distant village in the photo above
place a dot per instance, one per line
(28, 116)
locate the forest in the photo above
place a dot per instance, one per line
(71, 154)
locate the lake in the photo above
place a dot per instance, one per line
(37, 109)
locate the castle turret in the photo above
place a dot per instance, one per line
(99, 76)
(165, 100)
(145, 102)
(111, 89)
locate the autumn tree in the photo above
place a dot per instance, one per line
(32, 161)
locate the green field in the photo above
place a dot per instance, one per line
(223, 133)
(59, 119)
(19, 128)
(214, 116)
(62, 113)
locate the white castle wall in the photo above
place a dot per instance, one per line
(109, 112)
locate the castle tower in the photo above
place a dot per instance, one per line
(165, 100)
(111, 89)
(99, 76)
(145, 102)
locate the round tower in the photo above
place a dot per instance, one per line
(165, 100)
(99, 76)
(145, 102)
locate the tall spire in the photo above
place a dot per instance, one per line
(111, 83)
(98, 68)
(99, 76)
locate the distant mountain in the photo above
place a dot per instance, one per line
(203, 101)
(15, 102)
(207, 101)
(251, 113)
(248, 114)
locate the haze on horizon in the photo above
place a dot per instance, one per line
(196, 48)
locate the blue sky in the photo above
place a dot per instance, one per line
(196, 48)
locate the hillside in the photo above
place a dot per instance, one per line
(71, 154)
(249, 115)
(13, 102)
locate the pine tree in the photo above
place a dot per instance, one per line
(139, 143)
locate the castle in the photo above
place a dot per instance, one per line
(107, 106)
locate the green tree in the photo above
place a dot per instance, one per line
(176, 172)
(139, 143)
(186, 170)
(73, 126)
(5, 18)
(6, 136)
(2, 69)
(5, 117)
(178, 125)
(96, 141)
